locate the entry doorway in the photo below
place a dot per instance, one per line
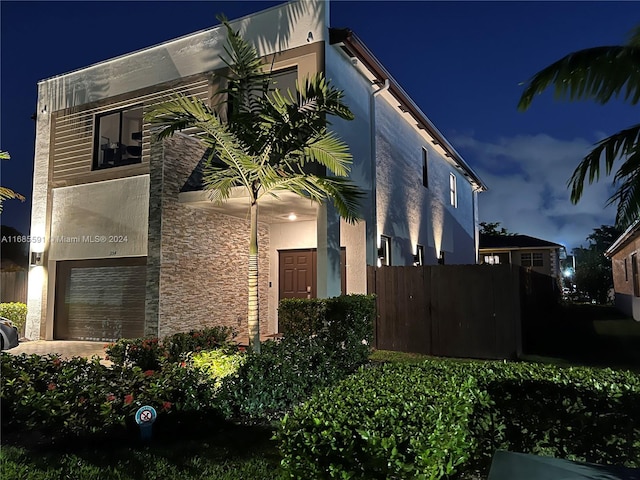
(297, 276)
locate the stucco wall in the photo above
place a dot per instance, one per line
(204, 256)
(100, 220)
(280, 28)
(356, 133)
(408, 212)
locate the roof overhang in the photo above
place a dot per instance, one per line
(630, 233)
(355, 48)
(284, 208)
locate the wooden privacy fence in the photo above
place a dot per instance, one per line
(13, 287)
(456, 310)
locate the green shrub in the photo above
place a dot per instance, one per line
(442, 418)
(197, 340)
(150, 353)
(16, 312)
(219, 363)
(145, 353)
(328, 339)
(79, 396)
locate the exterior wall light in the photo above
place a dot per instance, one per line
(292, 216)
(441, 258)
(36, 259)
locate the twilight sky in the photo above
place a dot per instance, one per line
(461, 62)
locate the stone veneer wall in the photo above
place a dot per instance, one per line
(204, 256)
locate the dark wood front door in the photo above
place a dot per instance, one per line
(298, 277)
(298, 274)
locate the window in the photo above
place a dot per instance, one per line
(453, 194)
(425, 167)
(492, 259)
(634, 274)
(626, 271)
(418, 258)
(118, 138)
(282, 80)
(531, 259)
(384, 252)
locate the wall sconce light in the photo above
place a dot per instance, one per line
(441, 258)
(381, 253)
(44, 110)
(36, 259)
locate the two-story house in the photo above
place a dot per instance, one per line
(132, 246)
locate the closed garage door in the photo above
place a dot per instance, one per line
(100, 300)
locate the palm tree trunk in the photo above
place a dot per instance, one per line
(254, 314)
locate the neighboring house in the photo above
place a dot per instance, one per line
(539, 255)
(624, 264)
(125, 243)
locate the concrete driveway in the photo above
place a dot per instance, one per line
(65, 348)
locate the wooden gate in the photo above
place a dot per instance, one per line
(449, 310)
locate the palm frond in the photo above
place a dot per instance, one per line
(328, 150)
(178, 114)
(4, 155)
(8, 194)
(591, 74)
(619, 144)
(627, 196)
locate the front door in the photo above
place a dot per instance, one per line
(297, 276)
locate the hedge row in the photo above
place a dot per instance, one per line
(151, 353)
(447, 418)
(78, 396)
(16, 312)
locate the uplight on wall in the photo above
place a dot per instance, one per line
(441, 258)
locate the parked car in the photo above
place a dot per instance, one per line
(8, 334)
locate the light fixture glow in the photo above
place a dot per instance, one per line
(292, 216)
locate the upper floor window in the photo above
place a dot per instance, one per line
(425, 167)
(453, 191)
(531, 259)
(384, 252)
(118, 139)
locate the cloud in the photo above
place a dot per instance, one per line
(527, 178)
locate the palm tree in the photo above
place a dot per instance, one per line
(598, 74)
(260, 139)
(7, 193)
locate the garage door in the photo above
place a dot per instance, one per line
(100, 300)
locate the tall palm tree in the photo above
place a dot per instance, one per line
(261, 139)
(598, 74)
(7, 193)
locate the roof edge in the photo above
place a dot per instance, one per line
(357, 47)
(620, 241)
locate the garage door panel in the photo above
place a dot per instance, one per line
(100, 300)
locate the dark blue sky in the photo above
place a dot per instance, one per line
(461, 62)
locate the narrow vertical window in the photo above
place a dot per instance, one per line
(418, 258)
(626, 271)
(453, 193)
(384, 252)
(425, 167)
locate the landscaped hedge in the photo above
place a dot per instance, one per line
(78, 396)
(16, 312)
(327, 339)
(151, 352)
(446, 418)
